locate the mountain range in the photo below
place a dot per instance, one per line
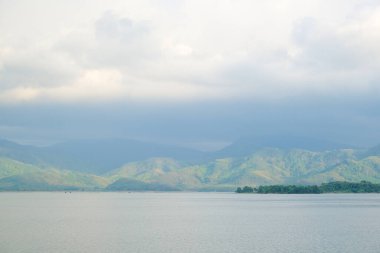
(119, 164)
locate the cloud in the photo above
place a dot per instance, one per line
(209, 50)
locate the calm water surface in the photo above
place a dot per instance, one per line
(188, 222)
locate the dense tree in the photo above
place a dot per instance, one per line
(337, 187)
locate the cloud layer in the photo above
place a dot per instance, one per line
(251, 56)
(190, 50)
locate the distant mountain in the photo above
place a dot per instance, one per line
(133, 165)
(94, 156)
(166, 171)
(265, 166)
(248, 144)
(101, 156)
(374, 151)
(15, 175)
(23, 153)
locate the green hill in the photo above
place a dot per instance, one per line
(93, 156)
(15, 175)
(265, 166)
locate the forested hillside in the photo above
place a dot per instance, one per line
(26, 168)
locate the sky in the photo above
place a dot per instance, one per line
(194, 73)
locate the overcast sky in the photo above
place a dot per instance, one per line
(200, 73)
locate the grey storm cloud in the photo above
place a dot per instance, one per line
(353, 120)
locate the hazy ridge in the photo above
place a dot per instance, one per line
(135, 165)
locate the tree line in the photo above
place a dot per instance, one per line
(331, 187)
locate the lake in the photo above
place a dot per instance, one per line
(188, 222)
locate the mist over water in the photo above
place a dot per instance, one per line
(188, 222)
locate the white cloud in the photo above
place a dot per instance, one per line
(94, 86)
(91, 85)
(125, 50)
